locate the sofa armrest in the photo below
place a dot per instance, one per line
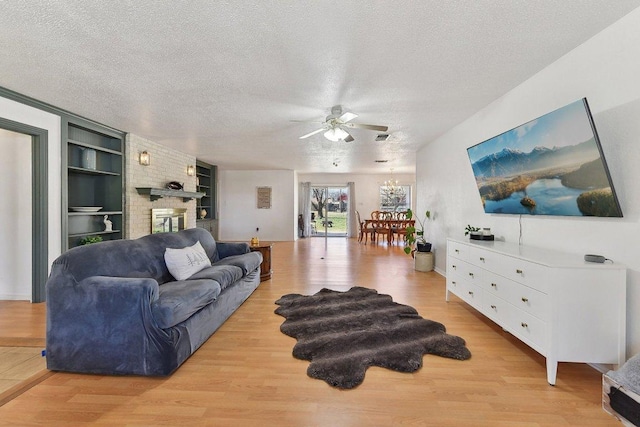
(226, 249)
(102, 324)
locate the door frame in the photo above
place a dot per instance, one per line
(39, 204)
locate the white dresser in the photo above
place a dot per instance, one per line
(566, 309)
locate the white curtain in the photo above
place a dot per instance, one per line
(352, 227)
(305, 191)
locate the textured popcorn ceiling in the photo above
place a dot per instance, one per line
(223, 80)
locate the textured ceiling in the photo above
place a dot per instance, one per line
(224, 80)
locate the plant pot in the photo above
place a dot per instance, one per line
(423, 247)
(423, 261)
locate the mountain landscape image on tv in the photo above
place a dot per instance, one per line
(552, 165)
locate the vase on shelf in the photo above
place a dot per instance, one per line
(89, 158)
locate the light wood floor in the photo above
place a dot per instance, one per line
(244, 375)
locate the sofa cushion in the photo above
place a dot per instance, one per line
(177, 301)
(185, 262)
(247, 262)
(225, 275)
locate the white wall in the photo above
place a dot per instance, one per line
(605, 70)
(21, 113)
(367, 187)
(15, 267)
(239, 215)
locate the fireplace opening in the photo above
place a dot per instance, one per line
(168, 220)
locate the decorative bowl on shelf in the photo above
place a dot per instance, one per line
(85, 208)
(174, 185)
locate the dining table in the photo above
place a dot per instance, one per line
(390, 224)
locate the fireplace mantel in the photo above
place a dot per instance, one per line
(158, 193)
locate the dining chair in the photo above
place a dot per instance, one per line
(399, 229)
(360, 226)
(400, 216)
(364, 229)
(382, 227)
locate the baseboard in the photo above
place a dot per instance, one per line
(15, 297)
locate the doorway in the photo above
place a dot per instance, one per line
(24, 253)
(329, 211)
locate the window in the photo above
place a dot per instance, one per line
(395, 198)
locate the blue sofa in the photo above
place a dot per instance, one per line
(114, 307)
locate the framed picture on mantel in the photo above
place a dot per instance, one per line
(264, 197)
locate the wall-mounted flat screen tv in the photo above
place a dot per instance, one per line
(552, 165)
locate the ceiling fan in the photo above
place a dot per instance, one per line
(336, 122)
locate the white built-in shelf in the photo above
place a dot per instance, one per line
(92, 233)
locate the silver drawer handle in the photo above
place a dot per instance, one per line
(525, 299)
(493, 285)
(453, 283)
(454, 267)
(493, 306)
(519, 271)
(482, 259)
(471, 274)
(457, 251)
(470, 293)
(524, 325)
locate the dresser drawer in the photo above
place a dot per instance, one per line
(457, 250)
(496, 285)
(488, 260)
(528, 328)
(533, 275)
(457, 266)
(529, 300)
(474, 275)
(472, 295)
(455, 284)
(495, 308)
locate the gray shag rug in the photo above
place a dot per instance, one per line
(343, 333)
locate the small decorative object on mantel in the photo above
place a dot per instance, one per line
(203, 213)
(469, 229)
(108, 225)
(475, 233)
(174, 185)
(255, 241)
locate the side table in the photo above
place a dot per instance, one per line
(265, 268)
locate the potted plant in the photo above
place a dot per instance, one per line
(90, 239)
(471, 230)
(416, 234)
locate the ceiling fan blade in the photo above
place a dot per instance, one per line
(312, 133)
(307, 121)
(349, 138)
(347, 117)
(370, 127)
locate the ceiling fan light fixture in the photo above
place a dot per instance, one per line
(336, 134)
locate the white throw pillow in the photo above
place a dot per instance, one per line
(184, 263)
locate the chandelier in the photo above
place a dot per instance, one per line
(391, 185)
(393, 194)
